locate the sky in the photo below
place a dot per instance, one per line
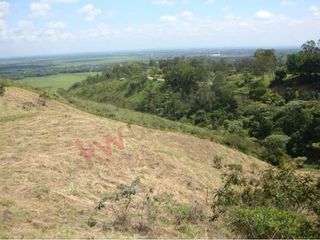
(44, 27)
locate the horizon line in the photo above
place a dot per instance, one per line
(280, 47)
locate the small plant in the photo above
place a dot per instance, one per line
(121, 204)
(217, 161)
(42, 100)
(299, 161)
(235, 167)
(92, 222)
(2, 90)
(192, 213)
(27, 106)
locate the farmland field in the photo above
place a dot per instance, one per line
(54, 82)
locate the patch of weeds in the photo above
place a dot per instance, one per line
(217, 161)
(67, 233)
(142, 227)
(192, 213)
(107, 226)
(27, 106)
(92, 222)
(42, 191)
(121, 205)
(235, 167)
(191, 230)
(5, 202)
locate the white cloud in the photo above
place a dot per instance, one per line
(168, 19)
(287, 2)
(4, 8)
(3, 25)
(186, 14)
(52, 32)
(24, 31)
(56, 25)
(209, 2)
(163, 2)
(102, 30)
(40, 9)
(89, 12)
(54, 35)
(315, 11)
(264, 15)
(63, 1)
(111, 13)
(226, 9)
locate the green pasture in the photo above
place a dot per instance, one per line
(53, 82)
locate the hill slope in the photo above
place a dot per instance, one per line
(48, 189)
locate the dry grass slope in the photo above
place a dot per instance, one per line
(47, 190)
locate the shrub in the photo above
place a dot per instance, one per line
(192, 213)
(217, 161)
(2, 90)
(272, 98)
(269, 223)
(235, 167)
(280, 75)
(282, 204)
(92, 222)
(234, 127)
(275, 148)
(43, 97)
(299, 161)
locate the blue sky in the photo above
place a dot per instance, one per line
(39, 27)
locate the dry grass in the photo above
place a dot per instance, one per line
(47, 190)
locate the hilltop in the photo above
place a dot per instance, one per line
(49, 190)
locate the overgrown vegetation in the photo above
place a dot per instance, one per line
(279, 204)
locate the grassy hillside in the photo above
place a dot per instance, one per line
(49, 190)
(54, 82)
(252, 109)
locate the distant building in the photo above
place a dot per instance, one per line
(216, 54)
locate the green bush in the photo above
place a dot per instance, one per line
(282, 204)
(275, 148)
(299, 161)
(269, 223)
(192, 213)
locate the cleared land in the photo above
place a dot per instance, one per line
(54, 82)
(47, 189)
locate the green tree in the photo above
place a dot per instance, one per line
(181, 76)
(265, 61)
(280, 75)
(257, 89)
(307, 61)
(275, 148)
